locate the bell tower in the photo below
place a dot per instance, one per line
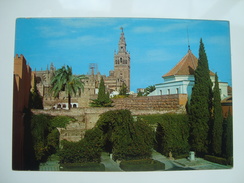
(122, 63)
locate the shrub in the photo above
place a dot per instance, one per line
(124, 137)
(142, 165)
(86, 150)
(61, 121)
(216, 159)
(83, 167)
(172, 132)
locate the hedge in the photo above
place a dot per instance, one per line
(125, 138)
(85, 150)
(215, 159)
(142, 165)
(90, 166)
(172, 132)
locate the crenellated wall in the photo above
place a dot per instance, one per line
(156, 103)
(21, 90)
(87, 117)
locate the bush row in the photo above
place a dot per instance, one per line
(172, 133)
(142, 165)
(86, 150)
(41, 137)
(219, 160)
(90, 166)
(125, 138)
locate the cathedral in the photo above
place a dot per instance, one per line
(113, 82)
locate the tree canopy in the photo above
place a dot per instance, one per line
(64, 80)
(103, 99)
(200, 104)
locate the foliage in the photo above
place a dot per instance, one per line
(227, 145)
(142, 165)
(30, 161)
(215, 159)
(86, 150)
(139, 94)
(172, 134)
(103, 99)
(53, 141)
(40, 128)
(89, 166)
(125, 138)
(217, 126)
(36, 100)
(64, 80)
(200, 105)
(123, 89)
(61, 121)
(44, 134)
(149, 90)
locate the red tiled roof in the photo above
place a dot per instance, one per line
(186, 66)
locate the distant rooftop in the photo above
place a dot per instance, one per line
(186, 66)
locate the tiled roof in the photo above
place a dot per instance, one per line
(186, 66)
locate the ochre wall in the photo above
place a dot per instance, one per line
(22, 85)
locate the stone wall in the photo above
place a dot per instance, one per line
(155, 103)
(87, 117)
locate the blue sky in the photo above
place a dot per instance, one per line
(155, 45)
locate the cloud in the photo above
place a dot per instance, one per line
(51, 31)
(86, 22)
(144, 29)
(86, 40)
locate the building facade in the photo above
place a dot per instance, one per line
(113, 82)
(180, 79)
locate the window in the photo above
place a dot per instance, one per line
(168, 92)
(121, 60)
(161, 93)
(177, 90)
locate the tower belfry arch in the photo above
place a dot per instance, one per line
(122, 62)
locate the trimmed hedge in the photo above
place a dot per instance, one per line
(142, 165)
(85, 150)
(125, 138)
(82, 167)
(216, 159)
(172, 132)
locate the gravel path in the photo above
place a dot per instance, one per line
(109, 164)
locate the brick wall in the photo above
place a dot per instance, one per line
(156, 103)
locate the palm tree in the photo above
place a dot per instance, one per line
(64, 80)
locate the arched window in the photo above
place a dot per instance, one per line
(168, 91)
(64, 105)
(59, 106)
(177, 90)
(121, 60)
(74, 106)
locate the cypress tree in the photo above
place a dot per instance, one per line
(103, 99)
(123, 89)
(200, 105)
(217, 126)
(227, 144)
(36, 100)
(102, 93)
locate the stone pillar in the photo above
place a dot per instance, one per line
(192, 156)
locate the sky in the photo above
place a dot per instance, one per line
(155, 45)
